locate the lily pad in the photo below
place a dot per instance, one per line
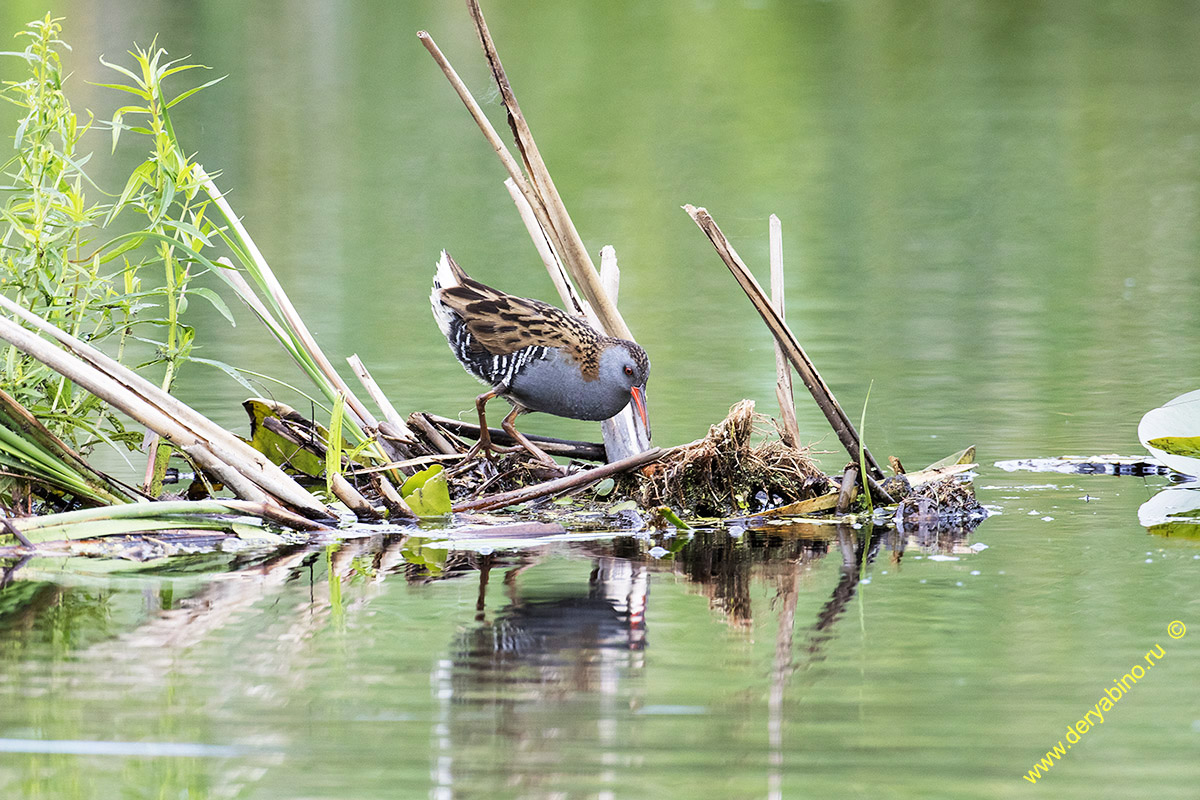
(1178, 445)
(427, 493)
(1172, 433)
(1173, 512)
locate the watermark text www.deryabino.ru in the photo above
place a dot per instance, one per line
(1095, 715)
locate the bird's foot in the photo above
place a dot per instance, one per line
(540, 456)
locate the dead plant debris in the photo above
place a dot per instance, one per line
(724, 474)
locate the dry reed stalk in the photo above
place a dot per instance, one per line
(510, 164)
(562, 229)
(824, 398)
(273, 513)
(392, 499)
(849, 489)
(539, 191)
(783, 386)
(573, 481)
(433, 435)
(814, 505)
(211, 460)
(154, 408)
(385, 406)
(353, 499)
(120, 396)
(589, 451)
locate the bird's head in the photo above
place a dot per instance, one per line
(625, 364)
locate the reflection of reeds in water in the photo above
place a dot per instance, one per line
(725, 569)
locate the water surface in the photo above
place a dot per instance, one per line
(990, 212)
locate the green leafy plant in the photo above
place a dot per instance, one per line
(127, 292)
(165, 190)
(47, 221)
(50, 264)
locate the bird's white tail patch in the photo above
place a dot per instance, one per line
(443, 278)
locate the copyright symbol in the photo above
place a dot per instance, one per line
(1176, 630)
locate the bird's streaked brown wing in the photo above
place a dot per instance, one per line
(502, 324)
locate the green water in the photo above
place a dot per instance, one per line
(990, 210)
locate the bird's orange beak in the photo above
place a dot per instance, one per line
(639, 402)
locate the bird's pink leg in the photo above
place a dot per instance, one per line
(485, 442)
(509, 426)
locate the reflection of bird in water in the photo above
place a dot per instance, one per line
(575, 640)
(511, 677)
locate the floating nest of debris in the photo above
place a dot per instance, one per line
(724, 474)
(946, 503)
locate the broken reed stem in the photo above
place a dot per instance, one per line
(849, 489)
(435, 437)
(561, 484)
(610, 273)
(154, 408)
(392, 499)
(570, 245)
(808, 373)
(623, 434)
(567, 448)
(558, 275)
(375, 393)
(783, 370)
(354, 500)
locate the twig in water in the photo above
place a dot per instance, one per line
(11, 530)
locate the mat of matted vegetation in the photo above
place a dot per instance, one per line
(726, 474)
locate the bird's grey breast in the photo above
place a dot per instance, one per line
(555, 384)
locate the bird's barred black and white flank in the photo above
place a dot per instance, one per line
(496, 371)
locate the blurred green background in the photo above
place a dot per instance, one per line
(990, 209)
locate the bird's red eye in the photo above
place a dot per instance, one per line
(629, 370)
